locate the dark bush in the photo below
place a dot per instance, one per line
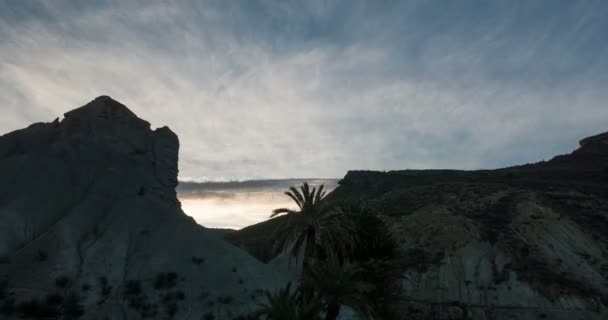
(62, 282)
(198, 261)
(34, 309)
(106, 289)
(375, 250)
(132, 287)
(225, 300)
(54, 299)
(8, 306)
(3, 289)
(165, 280)
(42, 256)
(72, 308)
(171, 309)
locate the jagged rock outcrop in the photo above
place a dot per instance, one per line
(526, 242)
(89, 220)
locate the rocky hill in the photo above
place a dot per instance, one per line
(526, 242)
(90, 227)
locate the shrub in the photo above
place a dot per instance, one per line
(171, 309)
(132, 287)
(225, 299)
(165, 280)
(8, 306)
(72, 309)
(3, 289)
(106, 289)
(62, 282)
(34, 309)
(198, 261)
(42, 256)
(54, 299)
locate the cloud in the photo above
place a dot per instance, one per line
(275, 89)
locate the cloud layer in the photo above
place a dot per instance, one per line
(275, 89)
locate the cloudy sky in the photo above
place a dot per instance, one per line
(276, 89)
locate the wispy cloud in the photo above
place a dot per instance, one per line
(283, 89)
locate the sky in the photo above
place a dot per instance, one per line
(278, 89)
(236, 205)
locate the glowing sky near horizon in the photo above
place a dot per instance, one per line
(244, 209)
(237, 205)
(276, 89)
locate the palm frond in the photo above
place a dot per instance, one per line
(295, 198)
(280, 211)
(319, 195)
(306, 193)
(296, 193)
(340, 284)
(283, 304)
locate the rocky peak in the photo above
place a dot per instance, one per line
(601, 139)
(90, 201)
(106, 109)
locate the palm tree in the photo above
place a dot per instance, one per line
(283, 304)
(340, 284)
(375, 252)
(373, 239)
(311, 226)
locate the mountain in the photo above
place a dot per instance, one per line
(525, 242)
(91, 227)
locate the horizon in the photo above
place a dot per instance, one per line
(236, 205)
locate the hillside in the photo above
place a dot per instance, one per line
(525, 242)
(91, 227)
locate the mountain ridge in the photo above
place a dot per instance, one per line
(523, 242)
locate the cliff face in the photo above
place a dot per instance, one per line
(89, 214)
(527, 242)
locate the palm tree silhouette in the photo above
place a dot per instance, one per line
(283, 304)
(313, 227)
(339, 284)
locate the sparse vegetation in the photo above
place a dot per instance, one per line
(285, 304)
(225, 299)
(170, 301)
(54, 299)
(62, 282)
(3, 289)
(33, 308)
(105, 289)
(8, 305)
(165, 280)
(41, 256)
(138, 300)
(72, 307)
(198, 261)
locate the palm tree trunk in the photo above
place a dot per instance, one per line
(309, 251)
(333, 310)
